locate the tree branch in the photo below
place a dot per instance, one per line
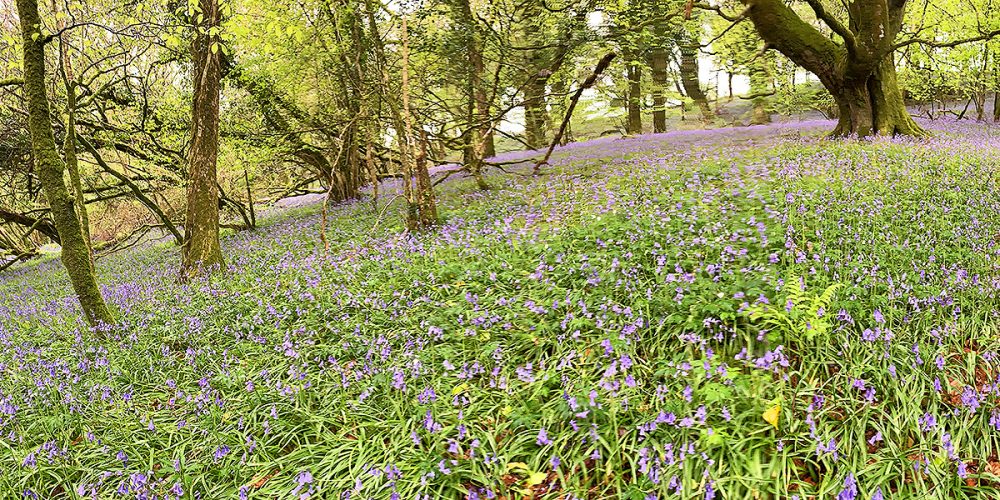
(849, 42)
(989, 35)
(589, 82)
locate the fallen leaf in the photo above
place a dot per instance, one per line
(516, 465)
(993, 468)
(772, 414)
(259, 483)
(536, 478)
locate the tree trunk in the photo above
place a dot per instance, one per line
(873, 106)
(758, 87)
(689, 79)
(421, 211)
(49, 168)
(489, 145)
(73, 167)
(543, 62)
(658, 65)
(634, 74)
(860, 73)
(69, 143)
(425, 189)
(535, 112)
(481, 122)
(202, 251)
(982, 88)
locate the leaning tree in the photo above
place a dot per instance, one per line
(856, 65)
(50, 169)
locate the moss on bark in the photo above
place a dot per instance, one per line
(689, 79)
(50, 168)
(634, 74)
(859, 72)
(759, 82)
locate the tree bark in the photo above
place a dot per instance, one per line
(535, 110)
(634, 75)
(689, 79)
(489, 145)
(860, 73)
(481, 123)
(202, 251)
(873, 105)
(50, 167)
(69, 143)
(425, 189)
(759, 81)
(658, 66)
(542, 63)
(421, 210)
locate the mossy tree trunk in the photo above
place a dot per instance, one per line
(425, 188)
(69, 143)
(536, 111)
(689, 75)
(633, 73)
(996, 85)
(996, 106)
(421, 209)
(480, 119)
(858, 70)
(202, 251)
(50, 168)
(873, 106)
(759, 83)
(658, 64)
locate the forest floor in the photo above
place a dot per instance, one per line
(735, 313)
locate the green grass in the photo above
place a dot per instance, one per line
(609, 303)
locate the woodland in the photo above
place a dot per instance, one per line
(552, 249)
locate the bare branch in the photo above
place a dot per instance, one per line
(989, 35)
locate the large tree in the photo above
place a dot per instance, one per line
(50, 168)
(857, 69)
(856, 65)
(201, 223)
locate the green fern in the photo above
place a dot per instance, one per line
(808, 317)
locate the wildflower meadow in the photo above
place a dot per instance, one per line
(735, 313)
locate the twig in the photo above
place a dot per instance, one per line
(385, 207)
(601, 66)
